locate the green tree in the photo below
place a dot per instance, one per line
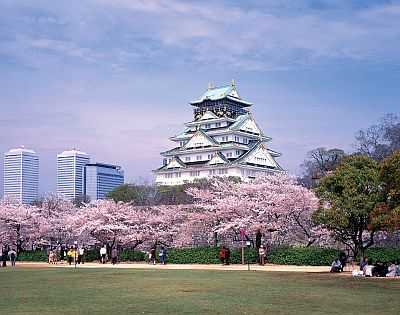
(139, 194)
(387, 214)
(348, 197)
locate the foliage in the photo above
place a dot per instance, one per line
(302, 256)
(138, 194)
(35, 256)
(275, 203)
(318, 164)
(380, 140)
(132, 255)
(390, 178)
(383, 255)
(348, 196)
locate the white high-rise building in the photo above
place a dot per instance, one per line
(99, 179)
(21, 175)
(222, 140)
(70, 173)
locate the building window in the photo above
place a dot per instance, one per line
(237, 152)
(229, 154)
(198, 158)
(207, 126)
(212, 172)
(187, 158)
(237, 139)
(177, 175)
(218, 124)
(195, 173)
(210, 156)
(223, 172)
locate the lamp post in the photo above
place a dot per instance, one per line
(76, 248)
(248, 244)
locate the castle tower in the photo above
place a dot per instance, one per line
(222, 140)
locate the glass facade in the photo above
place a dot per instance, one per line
(70, 166)
(21, 175)
(100, 179)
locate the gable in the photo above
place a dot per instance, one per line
(174, 164)
(208, 115)
(261, 156)
(250, 126)
(234, 93)
(198, 140)
(216, 159)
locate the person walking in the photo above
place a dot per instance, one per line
(163, 255)
(114, 255)
(81, 253)
(222, 255)
(153, 255)
(70, 255)
(103, 254)
(5, 255)
(1, 253)
(261, 255)
(227, 256)
(13, 257)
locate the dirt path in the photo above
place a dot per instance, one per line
(268, 267)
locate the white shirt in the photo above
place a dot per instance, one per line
(103, 251)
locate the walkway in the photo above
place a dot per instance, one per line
(268, 267)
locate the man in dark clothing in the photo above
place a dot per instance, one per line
(5, 255)
(114, 255)
(222, 253)
(227, 255)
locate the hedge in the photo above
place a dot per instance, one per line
(302, 256)
(310, 256)
(384, 255)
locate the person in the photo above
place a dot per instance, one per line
(363, 263)
(380, 270)
(1, 252)
(5, 255)
(13, 257)
(153, 255)
(81, 252)
(227, 256)
(103, 254)
(70, 256)
(163, 255)
(261, 255)
(114, 255)
(392, 270)
(368, 268)
(336, 265)
(397, 268)
(222, 255)
(50, 259)
(343, 260)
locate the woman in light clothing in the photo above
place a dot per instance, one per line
(261, 254)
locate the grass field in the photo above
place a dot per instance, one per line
(107, 291)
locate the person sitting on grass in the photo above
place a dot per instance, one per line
(380, 270)
(368, 268)
(392, 270)
(336, 266)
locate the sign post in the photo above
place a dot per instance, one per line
(242, 234)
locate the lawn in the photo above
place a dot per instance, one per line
(127, 291)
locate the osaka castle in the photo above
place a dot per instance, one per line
(222, 140)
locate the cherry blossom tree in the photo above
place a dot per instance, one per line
(274, 203)
(125, 224)
(19, 224)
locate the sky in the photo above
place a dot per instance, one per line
(115, 78)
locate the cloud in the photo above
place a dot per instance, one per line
(260, 36)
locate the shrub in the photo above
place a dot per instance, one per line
(206, 255)
(131, 255)
(36, 256)
(383, 254)
(302, 256)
